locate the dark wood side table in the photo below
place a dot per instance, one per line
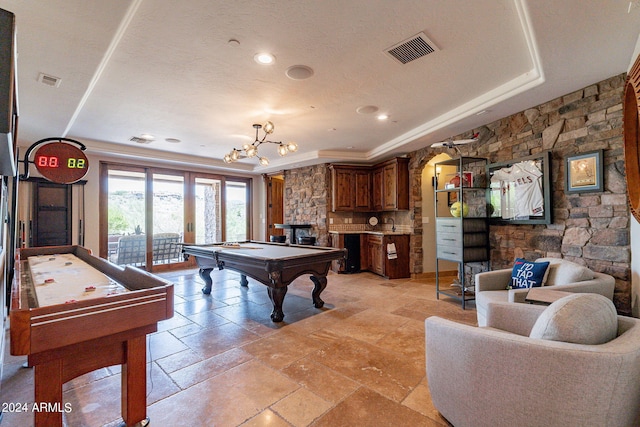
(544, 296)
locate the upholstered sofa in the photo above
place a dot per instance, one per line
(500, 376)
(563, 275)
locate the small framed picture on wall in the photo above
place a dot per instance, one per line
(584, 172)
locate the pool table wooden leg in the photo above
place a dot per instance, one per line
(205, 274)
(277, 297)
(243, 280)
(320, 282)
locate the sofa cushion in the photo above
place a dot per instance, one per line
(578, 318)
(563, 272)
(527, 274)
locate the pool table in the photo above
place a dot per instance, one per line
(272, 264)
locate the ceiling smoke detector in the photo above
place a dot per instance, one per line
(412, 48)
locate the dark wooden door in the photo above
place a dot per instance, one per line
(52, 214)
(275, 205)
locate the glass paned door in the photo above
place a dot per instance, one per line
(168, 218)
(126, 206)
(208, 214)
(237, 199)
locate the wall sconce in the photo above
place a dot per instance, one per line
(434, 179)
(251, 150)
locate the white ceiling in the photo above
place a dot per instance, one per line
(166, 68)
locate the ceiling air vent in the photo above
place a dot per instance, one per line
(140, 140)
(48, 80)
(413, 48)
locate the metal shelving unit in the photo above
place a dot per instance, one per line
(465, 238)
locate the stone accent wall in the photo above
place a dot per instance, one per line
(306, 200)
(591, 229)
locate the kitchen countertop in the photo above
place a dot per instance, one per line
(379, 233)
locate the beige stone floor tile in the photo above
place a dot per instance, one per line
(162, 344)
(207, 319)
(408, 340)
(368, 408)
(98, 403)
(301, 407)
(266, 418)
(87, 378)
(179, 360)
(216, 340)
(369, 325)
(176, 321)
(420, 401)
(282, 348)
(186, 330)
(385, 372)
(321, 380)
(258, 382)
(197, 372)
(208, 403)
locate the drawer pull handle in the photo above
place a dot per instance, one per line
(450, 240)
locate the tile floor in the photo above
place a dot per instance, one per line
(220, 361)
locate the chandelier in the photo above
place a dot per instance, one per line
(251, 150)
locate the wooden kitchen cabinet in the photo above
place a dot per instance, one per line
(395, 184)
(376, 189)
(337, 242)
(363, 190)
(378, 259)
(383, 187)
(350, 188)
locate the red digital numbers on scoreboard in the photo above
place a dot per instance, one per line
(61, 162)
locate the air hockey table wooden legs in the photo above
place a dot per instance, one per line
(52, 369)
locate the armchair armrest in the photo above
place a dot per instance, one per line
(515, 318)
(602, 284)
(496, 280)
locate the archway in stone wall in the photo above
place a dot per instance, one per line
(428, 220)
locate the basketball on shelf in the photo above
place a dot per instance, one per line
(458, 209)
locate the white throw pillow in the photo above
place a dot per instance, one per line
(563, 272)
(578, 318)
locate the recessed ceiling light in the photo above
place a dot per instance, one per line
(299, 72)
(264, 58)
(367, 109)
(233, 42)
(147, 136)
(383, 117)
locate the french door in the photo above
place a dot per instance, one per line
(146, 212)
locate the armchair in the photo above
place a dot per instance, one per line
(498, 376)
(563, 275)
